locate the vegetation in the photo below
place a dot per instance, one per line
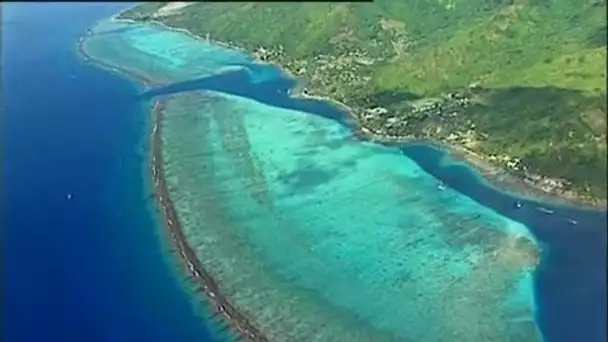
(521, 83)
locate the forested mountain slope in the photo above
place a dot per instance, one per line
(520, 83)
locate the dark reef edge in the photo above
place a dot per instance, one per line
(222, 308)
(239, 322)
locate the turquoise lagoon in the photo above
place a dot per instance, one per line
(311, 232)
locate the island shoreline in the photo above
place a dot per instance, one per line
(235, 319)
(222, 307)
(509, 183)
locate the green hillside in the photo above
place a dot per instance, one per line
(522, 83)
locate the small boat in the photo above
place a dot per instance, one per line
(518, 205)
(69, 196)
(440, 186)
(573, 222)
(544, 210)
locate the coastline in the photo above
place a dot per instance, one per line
(222, 307)
(187, 257)
(502, 179)
(180, 30)
(294, 93)
(516, 186)
(496, 176)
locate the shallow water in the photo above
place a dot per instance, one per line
(169, 57)
(355, 235)
(319, 236)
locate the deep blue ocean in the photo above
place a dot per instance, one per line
(84, 258)
(92, 267)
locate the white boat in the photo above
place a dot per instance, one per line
(545, 210)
